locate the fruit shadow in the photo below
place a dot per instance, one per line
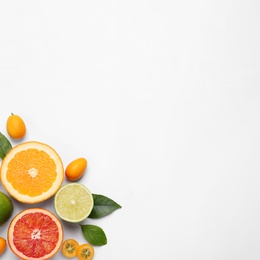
(20, 206)
(70, 227)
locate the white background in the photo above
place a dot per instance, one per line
(162, 98)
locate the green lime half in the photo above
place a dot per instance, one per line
(6, 208)
(73, 202)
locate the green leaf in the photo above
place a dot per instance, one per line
(103, 206)
(94, 235)
(5, 146)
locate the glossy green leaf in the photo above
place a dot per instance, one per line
(94, 235)
(5, 146)
(103, 206)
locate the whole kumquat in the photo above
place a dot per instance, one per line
(15, 127)
(2, 245)
(76, 169)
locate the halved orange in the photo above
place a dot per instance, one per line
(35, 233)
(32, 172)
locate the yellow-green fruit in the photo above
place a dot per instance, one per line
(6, 208)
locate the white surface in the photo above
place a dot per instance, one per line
(162, 98)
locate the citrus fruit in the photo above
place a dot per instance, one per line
(15, 127)
(69, 247)
(85, 252)
(73, 202)
(76, 169)
(6, 208)
(32, 172)
(35, 234)
(2, 245)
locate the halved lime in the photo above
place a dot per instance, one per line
(73, 202)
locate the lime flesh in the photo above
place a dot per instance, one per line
(73, 202)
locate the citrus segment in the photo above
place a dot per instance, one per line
(73, 202)
(35, 234)
(32, 172)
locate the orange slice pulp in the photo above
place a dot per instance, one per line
(32, 172)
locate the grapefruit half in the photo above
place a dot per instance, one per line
(35, 233)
